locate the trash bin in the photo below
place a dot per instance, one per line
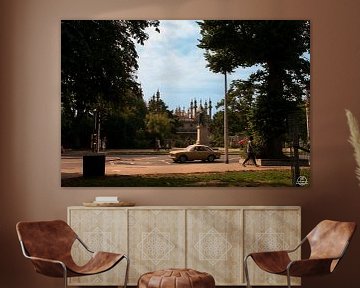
(94, 165)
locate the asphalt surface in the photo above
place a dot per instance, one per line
(140, 164)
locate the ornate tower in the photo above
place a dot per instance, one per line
(210, 109)
(191, 109)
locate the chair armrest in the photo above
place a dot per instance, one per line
(281, 251)
(308, 267)
(45, 260)
(268, 253)
(271, 261)
(298, 246)
(83, 244)
(49, 267)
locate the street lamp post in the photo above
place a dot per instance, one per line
(226, 136)
(307, 110)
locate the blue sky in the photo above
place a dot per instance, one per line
(171, 62)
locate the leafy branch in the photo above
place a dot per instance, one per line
(354, 139)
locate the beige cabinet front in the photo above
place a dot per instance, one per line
(269, 230)
(156, 240)
(101, 230)
(207, 239)
(214, 241)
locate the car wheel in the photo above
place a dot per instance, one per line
(211, 158)
(182, 159)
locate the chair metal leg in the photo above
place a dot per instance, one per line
(246, 272)
(65, 275)
(288, 278)
(126, 271)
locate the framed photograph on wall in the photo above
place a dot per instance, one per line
(190, 103)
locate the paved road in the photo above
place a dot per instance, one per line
(71, 166)
(156, 160)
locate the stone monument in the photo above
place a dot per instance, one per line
(202, 128)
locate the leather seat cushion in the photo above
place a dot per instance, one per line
(176, 278)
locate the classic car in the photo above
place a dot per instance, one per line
(195, 152)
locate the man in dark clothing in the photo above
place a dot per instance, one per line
(250, 152)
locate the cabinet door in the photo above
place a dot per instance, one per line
(214, 244)
(101, 230)
(269, 230)
(156, 240)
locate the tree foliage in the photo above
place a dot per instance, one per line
(98, 64)
(278, 47)
(122, 125)
(158, 125)
(157, 105)
(241, 101)
(161, 123)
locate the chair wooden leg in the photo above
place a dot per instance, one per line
(246, 272)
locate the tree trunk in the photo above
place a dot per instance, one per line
(272, 149)
(276, 112)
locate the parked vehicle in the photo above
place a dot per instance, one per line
(195, 152)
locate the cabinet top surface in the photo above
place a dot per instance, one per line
(191, 207)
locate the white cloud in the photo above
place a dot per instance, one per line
(171, 62)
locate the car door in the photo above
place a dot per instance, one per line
(202, 153)
(192, 154)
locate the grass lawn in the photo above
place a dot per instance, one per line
(269, 178)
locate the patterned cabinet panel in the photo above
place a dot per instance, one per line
(101, 230)
(271, 229)
(156, 240)
(214, 244)
(209, 239)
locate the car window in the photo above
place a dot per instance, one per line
(190, 148)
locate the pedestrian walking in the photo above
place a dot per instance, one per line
(250, 152)
(157, 144)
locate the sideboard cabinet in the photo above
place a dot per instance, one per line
(211, 239)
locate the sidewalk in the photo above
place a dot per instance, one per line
(189, 167)
(74, 167)
(115, 152)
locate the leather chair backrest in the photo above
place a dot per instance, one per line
(46, 239)
(329, 239)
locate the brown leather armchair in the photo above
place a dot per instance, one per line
(48, 245)
(328, 242)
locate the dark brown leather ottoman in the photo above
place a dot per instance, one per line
(176, 278)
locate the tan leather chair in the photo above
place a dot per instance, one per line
(328, 242)
(48, 245)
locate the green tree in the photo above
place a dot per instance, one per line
(278, 47)
(216, 128)
(122, 125)
(158, 125)
(241, 102)
(98, 64)
(157, 105)
(160, 121)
